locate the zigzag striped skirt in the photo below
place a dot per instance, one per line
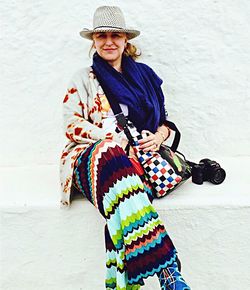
(137, 244)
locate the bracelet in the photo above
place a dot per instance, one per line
(169, 132)
(162, 135)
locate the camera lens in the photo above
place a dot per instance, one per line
(218, 176)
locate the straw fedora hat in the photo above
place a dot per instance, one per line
(109, 19)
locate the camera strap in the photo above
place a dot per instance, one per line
(122, 122)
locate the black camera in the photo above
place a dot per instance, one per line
(208, 170)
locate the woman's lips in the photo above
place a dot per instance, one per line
(109, 49)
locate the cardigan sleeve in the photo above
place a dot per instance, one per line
(76, 126)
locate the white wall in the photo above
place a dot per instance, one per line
(200, 48)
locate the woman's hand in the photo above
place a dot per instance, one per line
(150, 143)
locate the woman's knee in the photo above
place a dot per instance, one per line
(111, 147)
(109, 143)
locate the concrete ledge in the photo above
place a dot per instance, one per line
(45, 247)
(39, 186)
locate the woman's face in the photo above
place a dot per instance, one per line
(110, 46)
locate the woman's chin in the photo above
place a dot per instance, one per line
(110, 56)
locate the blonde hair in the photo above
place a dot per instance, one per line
(130, 50)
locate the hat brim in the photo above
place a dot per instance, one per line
(87, 33)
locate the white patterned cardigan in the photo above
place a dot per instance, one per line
(82, 124)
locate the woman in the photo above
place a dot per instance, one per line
(94, 161)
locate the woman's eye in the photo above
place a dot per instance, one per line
(100, 35)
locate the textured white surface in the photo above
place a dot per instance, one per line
(45, 247)
(200, 48)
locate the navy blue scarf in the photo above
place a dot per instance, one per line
(138, 87)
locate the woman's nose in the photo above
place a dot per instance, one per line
(109, 40)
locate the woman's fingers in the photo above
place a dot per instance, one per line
(147, 137)
(153, 147)
(148, 143)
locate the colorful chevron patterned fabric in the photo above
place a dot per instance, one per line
(137, 244)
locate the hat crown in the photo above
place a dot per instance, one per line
(108, 16)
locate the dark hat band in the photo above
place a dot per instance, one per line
(113, 27)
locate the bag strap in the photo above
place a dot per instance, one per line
(177, 136)
(123, 123)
